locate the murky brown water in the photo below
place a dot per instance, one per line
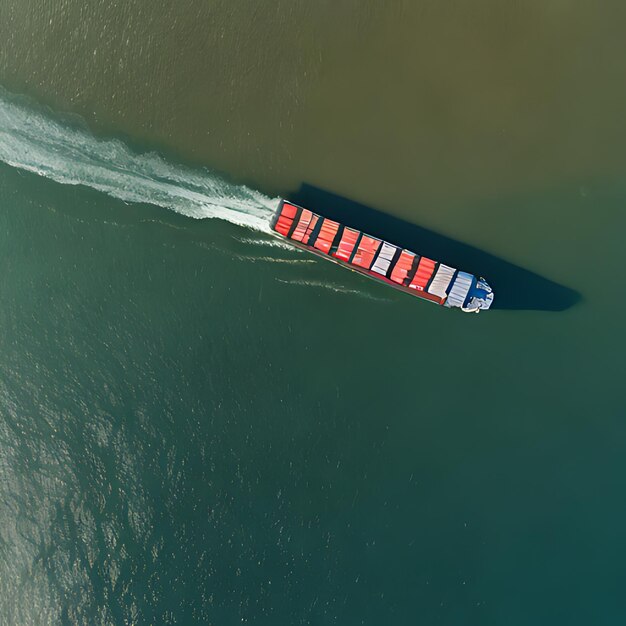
(420, 108)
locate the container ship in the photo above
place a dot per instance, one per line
(381, 260)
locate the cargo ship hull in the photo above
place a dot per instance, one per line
(382, 261)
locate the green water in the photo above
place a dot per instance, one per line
(201, 426)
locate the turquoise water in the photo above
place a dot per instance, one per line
(201, 425)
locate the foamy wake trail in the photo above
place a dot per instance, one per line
(332, 287)
(33, 141)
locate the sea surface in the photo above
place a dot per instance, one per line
(202, 425)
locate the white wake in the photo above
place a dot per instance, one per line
(32, 140)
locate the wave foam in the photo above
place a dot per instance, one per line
(33, 141)
(332, 287)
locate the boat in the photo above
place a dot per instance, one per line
(378, 259)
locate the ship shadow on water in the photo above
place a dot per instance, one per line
(515, 288)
